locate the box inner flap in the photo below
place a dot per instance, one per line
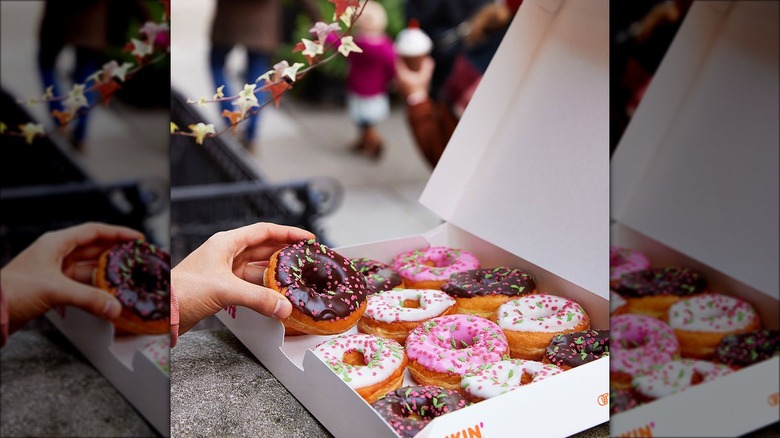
(697, 167)
(527, 167)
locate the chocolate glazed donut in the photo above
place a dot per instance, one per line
(137, 273)
(408, 410)
(482, 291)
(574, 349)
(652, 291)
(327, 293)
(379, 276)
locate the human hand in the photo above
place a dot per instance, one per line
(57, 269)
(487, 20)
(228, 270)
(411, 82)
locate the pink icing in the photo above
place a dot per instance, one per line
(456, 343)
(639, 343)
(624, 260)
(411, 265)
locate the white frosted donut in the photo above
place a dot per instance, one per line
(675, 376)
(381, 363)
(701, 321)
(711, 313)
(531, 321)
(394, 313)
(388, 306)
(491, 380)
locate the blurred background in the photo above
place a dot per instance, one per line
(110, 165)
(299, 157)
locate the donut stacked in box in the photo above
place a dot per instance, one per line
(672, 331)
(464, 332)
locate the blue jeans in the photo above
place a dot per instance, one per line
(257, 64)
(87, 62)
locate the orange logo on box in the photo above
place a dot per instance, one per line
(604, 399)
(471, 432)
(774, 399)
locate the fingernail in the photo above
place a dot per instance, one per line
(112, 307)
(278, 312)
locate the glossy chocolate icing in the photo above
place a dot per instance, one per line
(578, 348)
(481, 282)
(140, 273)
(670, 280)
(319, 282)
(379, 276)
(409, 409)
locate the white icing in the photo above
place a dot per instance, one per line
(615, 301)
(540, 313)
(494, 379)
(711, 313)
(382, 358)
(413, 42)
(387, 306)
(675, 376)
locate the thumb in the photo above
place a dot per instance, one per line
(89, 298)
(258, 298)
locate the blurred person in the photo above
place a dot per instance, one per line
(369, 74)
(228, 270)
(81, 24)
(641, 32)
(434, 115)
(256, 25)
(56, 269)
(448, 23)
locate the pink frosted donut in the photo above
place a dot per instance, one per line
(676, 376)
(441, 351)
(639, 343)
(701, 321)
(498, 378)
(623, 261)
(430, 268)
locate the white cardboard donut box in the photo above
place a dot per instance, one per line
(522, 183)
(699, 188)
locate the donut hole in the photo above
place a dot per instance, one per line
(429, 263)
(696, 377)
(462, 344)
(526, 379)
(411, 304)
(354, 358)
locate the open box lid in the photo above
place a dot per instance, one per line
(527, 168)
(696, 168)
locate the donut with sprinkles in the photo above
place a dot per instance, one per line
(429, 268)
(530, 322)
(327, 293)
(370, 365)
(481, 291)
(739, 351)
(444, 349)
(379, 276)
(409, 409)
(571, 350)
(494, 379)
(700, 322)
(138, 274)
(394, 313)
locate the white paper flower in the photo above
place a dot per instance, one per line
(30, 131)
(201, 130)
(348, 46)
